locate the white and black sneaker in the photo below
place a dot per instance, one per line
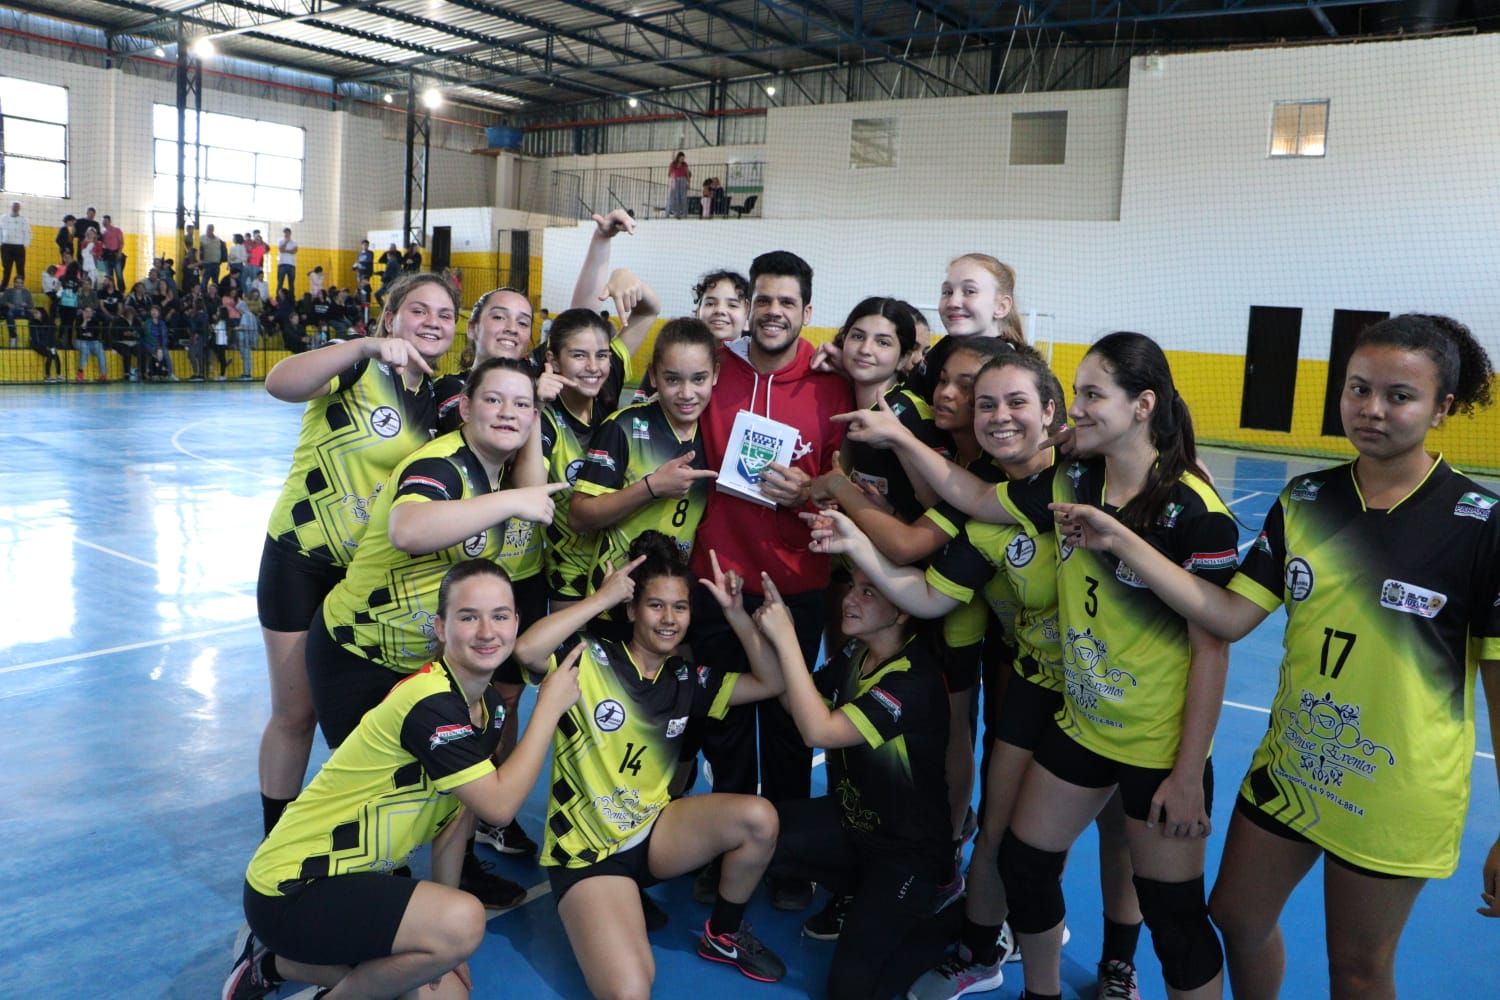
(509, 839)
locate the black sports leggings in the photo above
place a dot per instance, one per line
(888, 937)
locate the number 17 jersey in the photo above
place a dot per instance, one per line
(1371, 737)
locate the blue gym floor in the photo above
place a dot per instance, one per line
(133, 692)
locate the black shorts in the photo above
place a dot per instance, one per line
(1026, 713)
(531, 607)
(1244, 807)
(338, 920)
(291, 586)
(1078, 765)
(344, 685)
(633, 863)
(960, 666)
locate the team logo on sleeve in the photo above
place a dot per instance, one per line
(703, 673)
(573, 468)
(385, 421)
(757, 450)
(1307, 490)
(1020, 551)
(443, 735)
(474, 544)
(601, 457)
(887, 702)
(1410, 599)
(1298, 578)
(1475, 505)
(1263, 542)
(609, 715)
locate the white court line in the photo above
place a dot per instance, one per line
(129, 558)
(1246, 545)
(180, 447)
(72, 657)
(1247, 496)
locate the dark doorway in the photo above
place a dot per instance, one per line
(1347, 326)
(442, 247)
(1270, 368)
(520, 260)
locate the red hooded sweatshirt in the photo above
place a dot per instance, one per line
(748, 537)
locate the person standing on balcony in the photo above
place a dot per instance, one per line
(678, 175)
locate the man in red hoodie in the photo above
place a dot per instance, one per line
(768, 373)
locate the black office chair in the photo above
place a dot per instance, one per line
(740, 211)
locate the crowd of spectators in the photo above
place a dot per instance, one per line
(217, 304)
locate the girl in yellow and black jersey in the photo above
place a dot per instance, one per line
(468, 494)
(965, 635)
(579, 359)
(612, 828)
(646, 468)
(1389, 570)
(370, 403)
(1143, 687)
(1017, 404)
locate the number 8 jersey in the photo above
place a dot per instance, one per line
(615, 751)
(1371, 735)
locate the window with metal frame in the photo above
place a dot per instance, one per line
(33, 138)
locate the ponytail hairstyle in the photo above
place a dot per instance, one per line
(1137, 364)
(1463, 367)
(570, 323)
(1005, 277)
(463, 571)
(663, 558)
(404, 286)
(477, 375)
(479, 303)
(897, 312)
(685, 332)
(1048, 388)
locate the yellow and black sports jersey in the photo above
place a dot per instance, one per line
(615, 751)
(620, 372)
(630, 445)
(966, 626)
(447, 391)
(384, 607)
(566, 444)
(1372, 730)
(891, 789)
(1125, 653)
(350, 441)
(387, 790)
(881, 470)
(1028, 561)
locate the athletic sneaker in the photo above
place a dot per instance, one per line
(791, 894)
(248, 980)
(957, 977)
(508, 839)
(949, 892)
(1009, 940)
(1117, 981)
(496, 893)
(743, 950)
(828, 923)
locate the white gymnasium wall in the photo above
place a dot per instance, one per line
(1402, 214)
(952, 160)
(350, 171)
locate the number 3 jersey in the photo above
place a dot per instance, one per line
(1371, 737)
(1125, 654)
(615, 751)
